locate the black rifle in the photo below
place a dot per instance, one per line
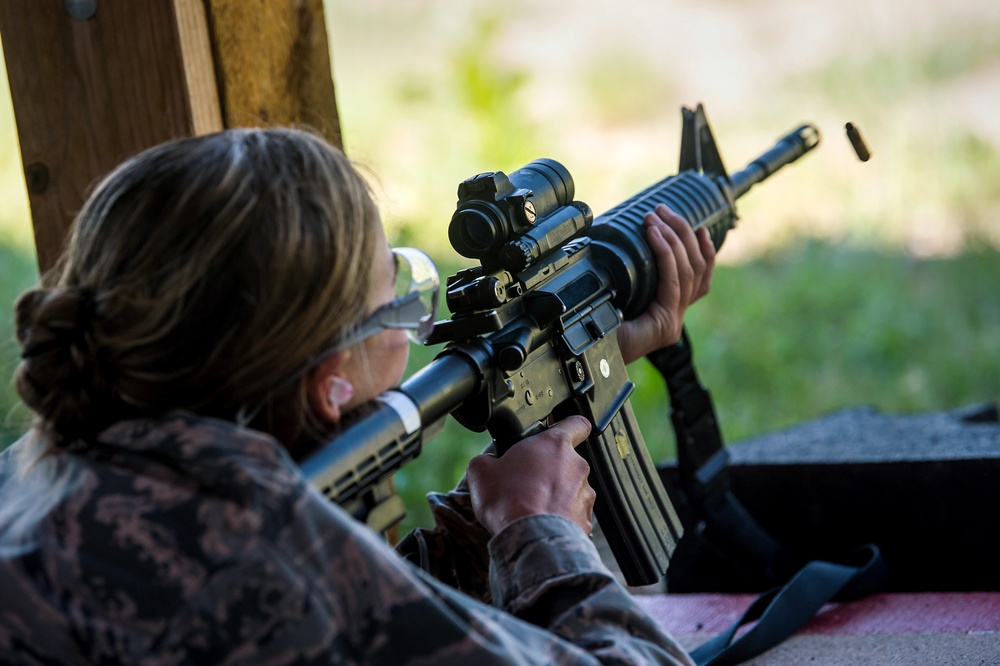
(532, 338)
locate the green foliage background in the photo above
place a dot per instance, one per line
(845, 284)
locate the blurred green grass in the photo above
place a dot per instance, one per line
(18, 271)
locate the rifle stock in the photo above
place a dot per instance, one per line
(532, 338)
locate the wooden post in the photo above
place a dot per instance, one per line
(96, 81)
(273, 64)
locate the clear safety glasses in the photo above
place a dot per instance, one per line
(415, 305)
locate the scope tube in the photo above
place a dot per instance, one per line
(494, 208)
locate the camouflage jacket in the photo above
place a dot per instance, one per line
(188, 540)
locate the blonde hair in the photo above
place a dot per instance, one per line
(202, 274)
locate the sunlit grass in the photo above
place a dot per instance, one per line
(888, 74)
(18, 271)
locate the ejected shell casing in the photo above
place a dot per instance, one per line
(859, 144)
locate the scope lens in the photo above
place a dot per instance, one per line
(477, 233)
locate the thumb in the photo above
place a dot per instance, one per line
(572, 429)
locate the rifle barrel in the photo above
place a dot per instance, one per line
(788, 149)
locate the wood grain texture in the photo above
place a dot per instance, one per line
(89, 93)
(199, 66)
(273, 64)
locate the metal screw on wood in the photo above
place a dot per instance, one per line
(37, 177)
(81, 10)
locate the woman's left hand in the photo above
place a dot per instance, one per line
(685, 260)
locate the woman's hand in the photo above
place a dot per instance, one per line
(541, 474)
(684, 261)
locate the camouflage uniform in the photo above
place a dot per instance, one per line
(188, 540)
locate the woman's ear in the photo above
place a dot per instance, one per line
(327, 390)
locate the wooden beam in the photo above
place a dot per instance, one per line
(96, 81)
(199, 66)
(273, 63)
(92, 90)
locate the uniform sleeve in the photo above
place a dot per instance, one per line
(456, 550)
(544, 570)
(555, 602)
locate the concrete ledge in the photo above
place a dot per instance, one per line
(917, 628)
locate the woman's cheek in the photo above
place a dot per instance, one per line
(400, 355)
(389, 355)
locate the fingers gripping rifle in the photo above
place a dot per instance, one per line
(532, 337)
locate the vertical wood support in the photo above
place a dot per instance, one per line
(273, 64)
(90, 92)
(96, 81)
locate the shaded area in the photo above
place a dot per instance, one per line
(919, 486)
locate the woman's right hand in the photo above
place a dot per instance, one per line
(541, 474)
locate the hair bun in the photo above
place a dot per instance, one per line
(57, 370)
(47, 318)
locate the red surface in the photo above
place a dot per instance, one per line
(922, 613)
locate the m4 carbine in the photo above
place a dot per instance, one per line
(532, 338)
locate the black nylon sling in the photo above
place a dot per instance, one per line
(729, 528)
